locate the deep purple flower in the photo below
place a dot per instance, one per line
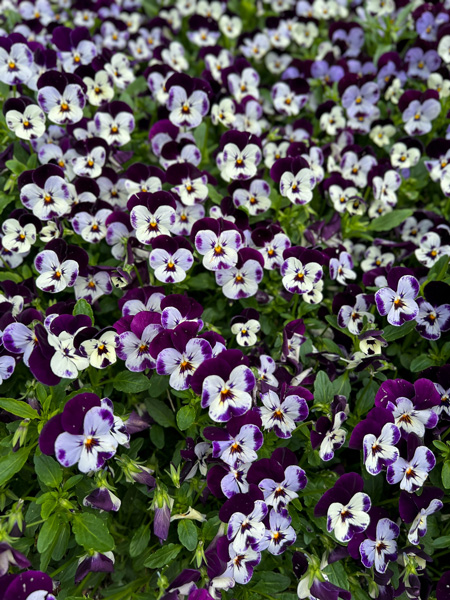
(95, 563)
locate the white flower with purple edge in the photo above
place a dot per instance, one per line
(225, 399)
(91, 449)
(419, 526)
(348, 520)
(55, 275)
(430, 249)
(240, 163)
(381, 451)
(400, 305)
(281, 416)
(16, 64)
(377, 553)
(240, 567)
(134, 348)
(411, 420)
(92, 228)
(298, 188)
(92, 286)
(412, 474)
(256, 199)
(187, 110)
(432, 320)
(171, 268)
(48, 201)
(62, 107)
(149, 225)
(28, 125)
(280, 534)
(245, 531)
(334, 438)
(299, 278)
(279, 494)
(246, 332)
(352, 317)
(18, 238)
(101, 351)
(240, 282)
(181, 365)
(219, 251)
(241, 448)
(341, 269)
(7, 365)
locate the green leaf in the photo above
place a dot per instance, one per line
(420, 363)
(129, 382)
(446, 474)
(439, 269)
(392, 332)
(185, 417)
(187, 534)
(442, 542)
(62, 542)
(157, 436)
(82, 307)
(271, 583)
(323, 389)
(92, 533)
(214, 195)
(163, 556)
(18, 408)
(47, 534)
(12, 463)
(6, 199)
(15, 166)
(200, 133)
(48, 470)
(139, 541)
(390, 220)
(337, 574)
(158, 385)
(202, 281)
(160, 412)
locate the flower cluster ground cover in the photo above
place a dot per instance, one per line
(224, 300)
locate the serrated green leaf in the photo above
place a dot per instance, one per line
(12, 463)
(92, 533)
(162, 557)
(390, 220)
(18, 408)
(48, 470)
(185, 417)
(129, 382)
(187, 534)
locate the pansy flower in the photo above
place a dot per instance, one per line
(246, 326)
(187, 102)
(431, 249)
(179, 354)
(82, 434)
(29, 585)
(241, 280)
(252, 195)
(75, 47)
(61, 96)
(44, 191)
(301, 269)
(353, 310)
(296, 179)
(56, 266)
(101, 350)
(280, 533)
(419, 110)
(66, 361)
(236, 446)
(328, 434)
(114, 123)
(151, 214)
(25, 119)
(240, 156)
(16, 60)
(225, 384)
(398, 302)
(281, 411)
(346, 507)
(170, 258)
(412, 472)
(416, 509)
(218, 241)
(379, 551)
(433, 317)
(135, 340)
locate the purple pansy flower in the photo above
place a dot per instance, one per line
(398, 303)
(301, 269)
(31, 585)
(170, 258)
(134, 344)
(412, 473)
(379, 551)
(279, 535)
(346, 507)
(416, 509)
(281, 411)
(218, 241)
(61, 96)
(187, 102)
(182, 359)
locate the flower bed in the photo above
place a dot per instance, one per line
(224, 301)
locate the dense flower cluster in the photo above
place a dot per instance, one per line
(224, 301)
